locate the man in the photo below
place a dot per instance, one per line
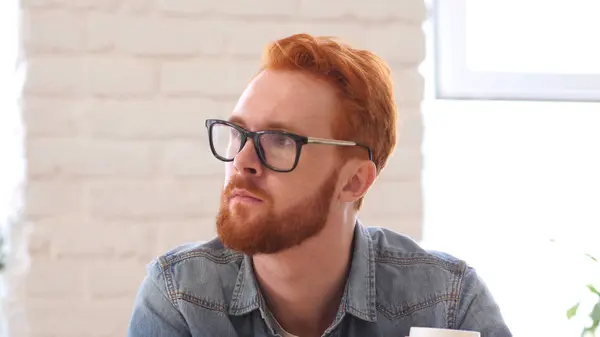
(304, 144)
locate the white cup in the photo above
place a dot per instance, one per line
(433, 332)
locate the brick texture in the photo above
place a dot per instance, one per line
(119, 168)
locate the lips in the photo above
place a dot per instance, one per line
(243, 195)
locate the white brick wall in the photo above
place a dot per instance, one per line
(119, 166)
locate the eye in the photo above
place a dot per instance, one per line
(278, 140)
(234, 134)
(282, 140)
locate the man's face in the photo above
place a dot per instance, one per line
(264, 211)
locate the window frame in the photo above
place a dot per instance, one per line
(455, 81)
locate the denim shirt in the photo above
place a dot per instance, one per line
(207, 290)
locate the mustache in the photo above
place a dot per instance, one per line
(237, 182)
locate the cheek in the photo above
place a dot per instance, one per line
(283, 194)
(316, 160)
(289, 193)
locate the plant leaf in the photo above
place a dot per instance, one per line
(592, 329)
(595, 314)
(593, 289)
(591, 257)
(588, 332)
(572, 311)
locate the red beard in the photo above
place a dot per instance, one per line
(270, 232)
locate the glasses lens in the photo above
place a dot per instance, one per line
(279, 150)
(226, 141)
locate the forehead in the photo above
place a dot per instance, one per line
(288, 100)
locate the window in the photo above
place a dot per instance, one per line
(518, 49)
(11, 132)
(503, 177)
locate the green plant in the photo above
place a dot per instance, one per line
(594, 314)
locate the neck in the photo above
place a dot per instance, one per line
(303, 285)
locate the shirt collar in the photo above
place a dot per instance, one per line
(246, 295)
(359, 295)
(360, 289)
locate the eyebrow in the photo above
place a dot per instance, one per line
(268, 126)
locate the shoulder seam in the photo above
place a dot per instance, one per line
(167, 276)
(156, 285)
(453, 267)
(453, 311)
(176, 258)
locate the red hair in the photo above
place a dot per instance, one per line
(363, 80)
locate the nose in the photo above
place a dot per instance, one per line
(247, 162)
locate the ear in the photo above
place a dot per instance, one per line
(361, 177)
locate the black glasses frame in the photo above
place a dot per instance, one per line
(255, 136)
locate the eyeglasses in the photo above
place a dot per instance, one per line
(277, 150)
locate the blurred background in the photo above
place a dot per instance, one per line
(104, 161)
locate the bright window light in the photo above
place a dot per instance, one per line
(503, 178)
